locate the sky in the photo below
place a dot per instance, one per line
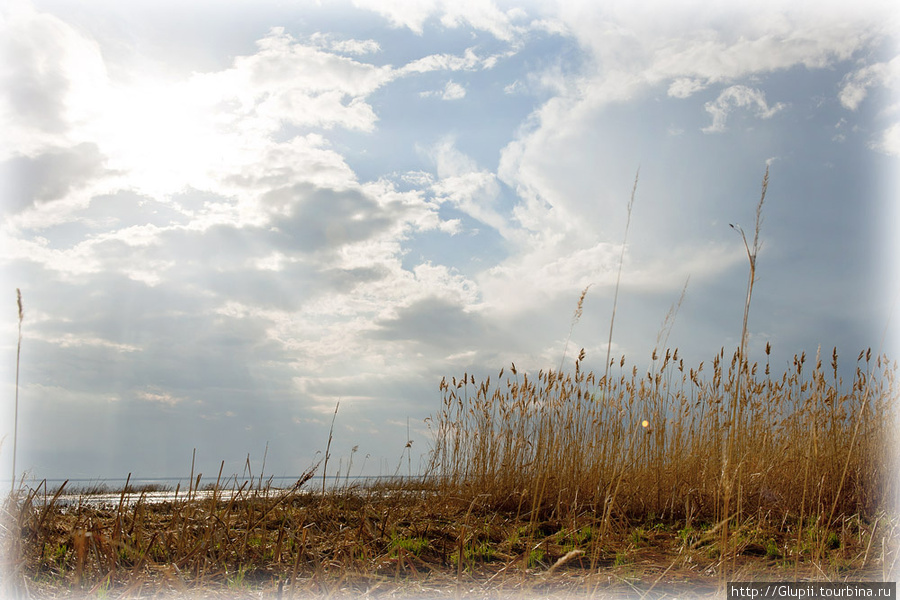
(225, 218)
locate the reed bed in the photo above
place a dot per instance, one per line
(665, 443)
(735, 458)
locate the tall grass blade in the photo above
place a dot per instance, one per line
(16, 417)
(612, 319)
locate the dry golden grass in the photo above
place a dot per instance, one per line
(806, 445)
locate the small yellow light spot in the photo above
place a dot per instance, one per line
(645, 423)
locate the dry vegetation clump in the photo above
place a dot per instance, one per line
(664, 443)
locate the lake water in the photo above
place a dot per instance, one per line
(102, 492)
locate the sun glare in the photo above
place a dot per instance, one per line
(158, 137)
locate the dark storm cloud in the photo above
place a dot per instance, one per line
(344, 280)
(269, 289)
(322, 219)
(222, 262)
(223, 246)
(286, 289)
(126, 209)
(436, 322)
(49, 176)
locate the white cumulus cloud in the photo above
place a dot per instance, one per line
(857, 84)
(453, 91)
(739, 96)
(450, 91)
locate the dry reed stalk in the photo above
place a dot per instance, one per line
(16, 417)
(576, 316)
(859, 419)
(328, 446)
(731, 474)
(612, 319)
(662, 337)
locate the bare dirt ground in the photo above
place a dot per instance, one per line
(412, 544)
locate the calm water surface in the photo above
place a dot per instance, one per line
(99, 492)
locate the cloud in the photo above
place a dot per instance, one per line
(211, 130)
(690, 46)
(324, 219)
(350, 46)
(72, 340)
(435, 322)
(48, 176)
(283, 64)
(469, 61)
(855, 89)
(161, 136)
(481, 15)
(738, 96)
(516, 87)
(48, 80)
(889, 143)
(681, 49)
(856, 85)
(633, 55)
(449, 161)
(402, 13)
(547, 271)
(159, 397)
(284, 83)
(451, 91)
(684, 87)
(467, 187)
